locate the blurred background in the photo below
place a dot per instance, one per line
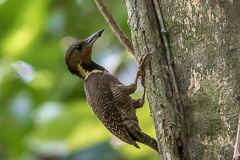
(43, 110)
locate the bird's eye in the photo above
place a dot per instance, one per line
(79, 47)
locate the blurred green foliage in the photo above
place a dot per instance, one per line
(43, 109)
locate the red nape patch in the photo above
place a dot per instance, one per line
(87, 53)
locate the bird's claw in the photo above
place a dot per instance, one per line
(143, 59)
(139, 71)
(141, 62)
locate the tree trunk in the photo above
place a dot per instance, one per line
(195, 97)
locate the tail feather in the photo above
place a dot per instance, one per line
(151, 142)
(137, 135)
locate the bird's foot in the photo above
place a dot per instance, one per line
(139, 70)
(142, 60)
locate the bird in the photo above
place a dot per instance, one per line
(109, 99)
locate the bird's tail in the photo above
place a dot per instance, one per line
(138, 135)
(151, 142)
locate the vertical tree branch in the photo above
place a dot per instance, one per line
(144, 25)
(115, 28)
(206, 67)
(236, 146)
(168, 52)
(179, 110)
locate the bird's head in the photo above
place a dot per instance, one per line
(78, 56)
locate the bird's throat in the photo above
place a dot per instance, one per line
(87, 53)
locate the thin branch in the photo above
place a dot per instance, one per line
(115, 28)
(179, 116)
(168, 52)
(236, 146)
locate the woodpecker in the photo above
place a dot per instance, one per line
(109, 99)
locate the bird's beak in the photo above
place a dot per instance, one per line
(93, 38)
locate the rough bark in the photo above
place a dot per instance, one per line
(147, 38)
(204, 41)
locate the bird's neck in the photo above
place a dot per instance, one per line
(85, 69)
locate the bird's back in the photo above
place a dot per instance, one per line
(106, 102)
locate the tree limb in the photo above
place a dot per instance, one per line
(179, 111)
(236, 146)
(168, 52)
(115, 28)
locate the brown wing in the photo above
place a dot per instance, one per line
(101, 100)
